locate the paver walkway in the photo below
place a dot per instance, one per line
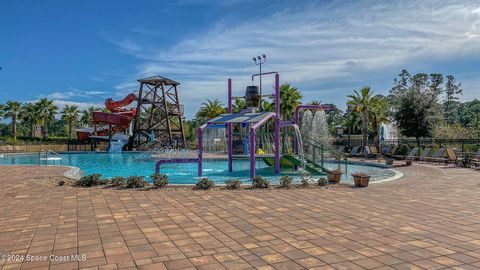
(430, 219)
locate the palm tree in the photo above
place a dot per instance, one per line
(85, 119)
(70, 114)
(12, 110)
(238, 105)
(290, 98)
(2, 111)
(210, 109)
(46, 112)
(361, 102)
(29, 116)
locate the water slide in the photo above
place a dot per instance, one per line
(290, 161)
(118, 115)
(116, 106)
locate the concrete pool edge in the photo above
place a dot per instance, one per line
(75, 173)
(396, 176)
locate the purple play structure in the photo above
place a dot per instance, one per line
(255, 120)
(248, 117)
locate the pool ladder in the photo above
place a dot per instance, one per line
(49, 152)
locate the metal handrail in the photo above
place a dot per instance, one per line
(46, 156)
(53, 152)
(315, 144)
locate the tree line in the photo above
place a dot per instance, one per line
(25, 116)
(421, 105)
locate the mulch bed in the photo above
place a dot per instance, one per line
(54, 181)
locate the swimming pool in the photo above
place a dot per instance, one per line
(135, 163)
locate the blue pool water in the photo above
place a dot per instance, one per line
(128, 164)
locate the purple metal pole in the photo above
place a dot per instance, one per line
(277, 119)
(229, 128)
(277, 123)
(200, 150)
(253, 128)
(252, 153)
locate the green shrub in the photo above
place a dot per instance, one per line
(322, 181)
(305, 179)
(135, 182)
(403, 150)
(118, 181)
(233, 184)
(260, 182)
(286, 181)
(90, 180)
(159, 180)
(205, 184)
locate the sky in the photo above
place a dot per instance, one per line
(81, 52)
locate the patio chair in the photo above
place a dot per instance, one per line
(424, 154)
(386, 149)
(10, 148)
(437, 156)
(413, 153)
(353, 152)
(452, 157)
(373, 151)
(475, 160)
(391, 151)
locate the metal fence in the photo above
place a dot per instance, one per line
(14, 147)
(458, 143)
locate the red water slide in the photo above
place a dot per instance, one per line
(116, 106)
(118, 116)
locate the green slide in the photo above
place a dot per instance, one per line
(291, 161)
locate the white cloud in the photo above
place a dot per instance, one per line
(73, 93)
(82, 106)
(317, 43)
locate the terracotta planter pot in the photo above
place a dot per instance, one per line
(357, 180)
(364, 181)
(408, 162)
(388, 161)
(361, 180)
(334, 177)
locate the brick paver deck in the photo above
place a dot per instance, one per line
(428, 220)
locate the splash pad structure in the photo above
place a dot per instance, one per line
(251, 119)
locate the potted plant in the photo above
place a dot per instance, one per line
(361, 179)
(408, 162)
(335, 175)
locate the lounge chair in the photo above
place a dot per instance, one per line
(386, 149)
(10, 148)
(424, 154)
(391, 151)
(353, 152)
(413, 153)
(437, 156)
(452, 157)
(373, 151)
(475, 160)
